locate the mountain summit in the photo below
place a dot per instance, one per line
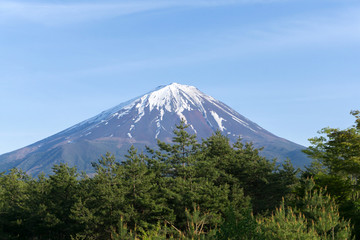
(142, 121)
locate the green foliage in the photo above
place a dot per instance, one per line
(143, 207)
(13, 196)
(180, 156)
(158, 233)
(184, 186)
(62, 195)
(107, 198)
(319, 208)
(285, 224)
(313, 216)
(196, 222)
(337, 167)
(234, 227)
(339, 150)
(183, 190)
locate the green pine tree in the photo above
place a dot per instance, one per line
(336, 166)
(322, 211)
(107, 199)
(144, 208)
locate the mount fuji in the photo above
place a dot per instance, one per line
(142, 121)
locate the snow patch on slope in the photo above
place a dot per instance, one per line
(141, 108)
(174, 98)
(192, 127)
(105, 115)
(218, 120)
(235, 118)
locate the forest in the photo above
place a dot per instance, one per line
(191, 190)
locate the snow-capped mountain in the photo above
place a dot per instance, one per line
(142, 121)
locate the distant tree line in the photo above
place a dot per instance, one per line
(191, 190)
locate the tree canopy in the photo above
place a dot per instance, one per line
(190, 190)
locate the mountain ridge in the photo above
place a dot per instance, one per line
(142, 121)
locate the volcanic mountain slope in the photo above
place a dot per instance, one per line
(141, 122)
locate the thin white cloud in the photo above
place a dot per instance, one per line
(46, 13)
(328, 31)
(323, 29)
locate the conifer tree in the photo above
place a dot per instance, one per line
(107, 200)
(235, 227)
(13, 195)
(184, 187)
(215, 160)
(313, 216)
(144, 207)
(336, 166)
(41, 220)
(180, 154)
(323, 213)
(62, 195)
(284, 223)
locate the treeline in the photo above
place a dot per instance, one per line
(188, 190)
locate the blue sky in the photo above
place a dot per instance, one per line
(292, 66)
